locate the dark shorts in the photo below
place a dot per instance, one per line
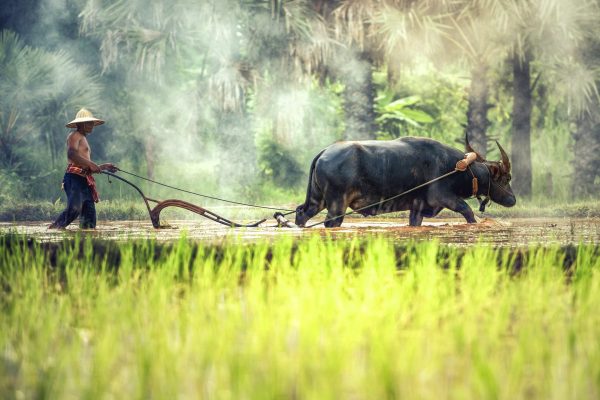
(80, 203)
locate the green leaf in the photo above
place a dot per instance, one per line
(403, 102)
(417, 115)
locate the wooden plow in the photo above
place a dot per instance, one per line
(154, 212)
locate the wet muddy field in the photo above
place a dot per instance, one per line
(511, 232)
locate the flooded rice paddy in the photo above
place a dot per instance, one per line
(511, 232)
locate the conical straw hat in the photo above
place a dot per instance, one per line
(84, 115)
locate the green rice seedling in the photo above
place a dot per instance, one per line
(318, 318)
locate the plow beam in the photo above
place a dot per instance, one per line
(155, 214)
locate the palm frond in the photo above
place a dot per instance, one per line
(40, 91)
(578, 83)
(227, 88)
(310, 45)
(352, 21)
(147, 34)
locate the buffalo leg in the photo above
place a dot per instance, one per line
(419, 210)
(335, 209)
(460, 206)
(431, 212)
(313, 210)
(415, 218)
(302, 216)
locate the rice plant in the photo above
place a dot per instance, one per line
(327, 319)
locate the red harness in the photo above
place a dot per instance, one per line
(84, 172)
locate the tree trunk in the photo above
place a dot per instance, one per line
(477, 120)
(521, 126)
(586, 162)
(359, 96)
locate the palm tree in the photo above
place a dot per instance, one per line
(287, 44)
(583, 90)
(376, 33)
(161, 46)
(473, 42)
(41, 90)
(26, 84)
(237, 47)
(354, 64)
(540, 31)
(586, 163)
(226, 54)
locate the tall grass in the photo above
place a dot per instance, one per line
(317, 319)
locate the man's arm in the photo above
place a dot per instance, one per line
(73, 154)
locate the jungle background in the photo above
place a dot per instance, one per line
(235, 97)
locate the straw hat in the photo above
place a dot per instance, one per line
(84, 115)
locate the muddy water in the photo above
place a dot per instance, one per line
(500, 232)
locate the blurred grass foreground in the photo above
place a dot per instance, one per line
(362, 319)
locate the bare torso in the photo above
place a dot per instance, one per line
(79, 152)
(77, 145)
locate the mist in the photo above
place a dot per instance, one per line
(234, 99)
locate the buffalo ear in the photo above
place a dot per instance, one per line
(495, 171)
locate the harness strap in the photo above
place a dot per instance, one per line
(486, 200)
(474, 183)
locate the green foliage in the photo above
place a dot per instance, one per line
(429, 103)
(11, 186)
(400, 110)
(316, 319)
(394, 114)
(188, 82)
(41, 90)
(24, 85)
(302, 122)
(20, 210)
(277, 164)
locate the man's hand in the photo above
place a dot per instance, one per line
(109, 167)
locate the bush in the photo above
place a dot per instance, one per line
(278, 165)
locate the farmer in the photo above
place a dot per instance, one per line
(78, 182)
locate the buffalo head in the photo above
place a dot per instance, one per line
(500, 190)
(301, 218)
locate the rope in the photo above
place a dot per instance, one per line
(206, 196)
(384, 200)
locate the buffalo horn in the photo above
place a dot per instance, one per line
(505, 160)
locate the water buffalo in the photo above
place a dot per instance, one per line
(357, 174)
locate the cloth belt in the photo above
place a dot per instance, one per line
(84, 172)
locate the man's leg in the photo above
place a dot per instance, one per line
(74, 203)
(88, 214)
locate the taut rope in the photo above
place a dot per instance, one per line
(206, 196)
